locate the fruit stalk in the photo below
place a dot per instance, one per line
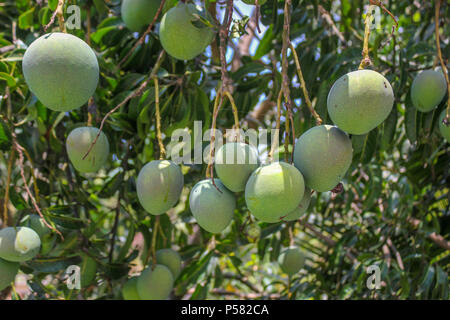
(284, 66)
(60, 14)
(277, 131)
(365, 53)
(162, 150)
(439, 53)
(235, 113)
(303, 84)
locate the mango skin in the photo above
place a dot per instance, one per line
(155, 284)
(323, 155)
(129, 289)
(137, 14)
(274, 190)
(360, 101)
(78, 143)
(301, 208)
(291, 260)
(61, 70)
(444, 129)
(212, 210)
(19, 244)
(171, 259)
(234, 163)
(252, 2)
(428, 89)
(159, 185)
(179, 37)
(8, 272)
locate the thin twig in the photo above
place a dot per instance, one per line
(60, 14)
(303, 84)
(327, 17)
(142, 38)
(135, 93)
(20, 150)
(439, 53)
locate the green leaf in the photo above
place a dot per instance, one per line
(26, 19)
(5, 136)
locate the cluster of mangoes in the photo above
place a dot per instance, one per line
(63, 72)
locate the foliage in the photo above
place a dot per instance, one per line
(393, 212)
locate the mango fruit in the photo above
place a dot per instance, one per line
(19, 244)
(213, 210)
(78, 143)
(323, 155)
(360, 101)
(36, 223)
(234, 163)
(179, 37)
(61, 70)
(291, 260)
(301, 208)
(171, 259)
(129, 289)
(155, 284)
(274, 190)
(8, 272)
(138, 14)
(159, 185)
(428, 89)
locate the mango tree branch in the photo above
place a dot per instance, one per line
(303, 84)
(135, 93)
(441, 60)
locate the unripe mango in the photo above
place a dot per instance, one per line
(78, 143)
(291, 260)
(234, 163)
(274, 190)
(301, 208)
(444, 129)
(179, 37)
(129, 289)
(137, 14)
(19, 244)
(61, 70)
(323, 155)
(8, 272)
(171, 259)
(159, 186)
(155, 284)
(360, 101)
(428, 89)
(212, 209)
